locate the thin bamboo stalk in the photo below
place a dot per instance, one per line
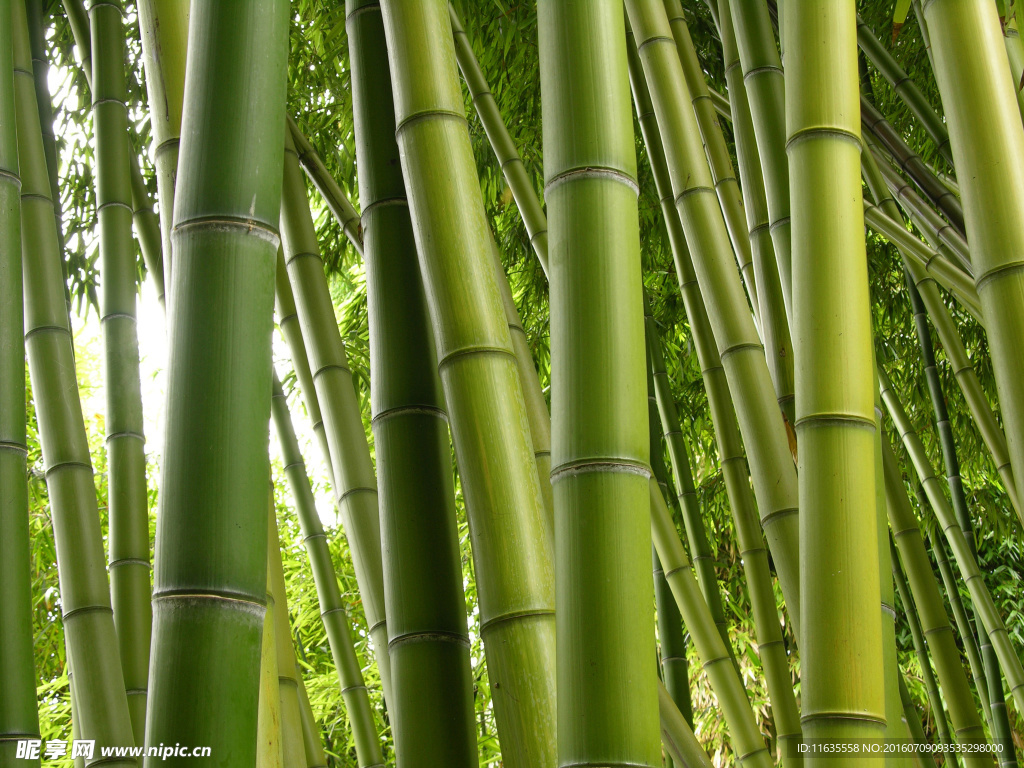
(674, 668)
(913, 720)
(315, 757)
(19, 718)
(774, 323)
(269, 752)
(974, 81)
(85, 595)
(983, 605)
(128, 501)
(355, 485)
(722, 104)
(677, 736)
(739, 347)
(332, 608)
(432, 713)
(600, 430)
(478, 372)
(211, 558)
(719, 160)
(935, 624)
(1015, 56)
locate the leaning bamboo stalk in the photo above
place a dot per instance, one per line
(19, 718)
(739, 347)
(677, 736)
(332, 608)
(984, 607)
(478, 372)
(211, 556)
(774, 323)
(85, 596)
(835, 416)
(315, 757)
(1015, 56)
(719, 159)
(268, 716)
(355, 484)
(915, 726)
(985, 129)
(771, 646)
(128, 501)
(431, 713)
(672, 643)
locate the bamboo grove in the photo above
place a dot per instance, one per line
(577, 384)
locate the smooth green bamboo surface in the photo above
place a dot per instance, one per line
(315, 757)
(293, 750)
(672, 643)
(85, 595)
(739, 347)
(905, 88)
(984, 608)
(128, 501)
(600, 430)
(771, 646)
(431, 712)
(945, 655)
(511, 163)
(774, 323)
(719, 159)
(985, 129)
(1015, 55)
(478, 372)
(18, 716)
(328, 188)
(766, 92)
(332, 608)
(913, 720)
(921, 649)
(355, 484)
(164, 26)
(835, 416)
(210, 567)
(721, 103)
(952, 344)
(269, 753)
(725, 680)
(912, 164)
(677, 736)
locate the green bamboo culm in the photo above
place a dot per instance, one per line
(973, 75)
(128, 501)
(85, 595)
(164, 25)
(269, 752)
(431, 711)
(835, 415)
(315, 756)
(332, 608)
(477, 366)
(600, 431)
(18, 716)
(210, 575)
(355, 484)
(671, 642)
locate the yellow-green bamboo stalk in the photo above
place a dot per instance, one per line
(269, 752)
(315, 757)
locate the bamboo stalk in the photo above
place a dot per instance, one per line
(332, 608)
(432, 713)
(968, 565)
(315, 757)
(985, 129)
(913, 720)
(19, 718)
(210, 575)
(722, 104)
(672, 642)
(355, 485)
(269, 752)
(1015, 56)
(677, 736)
(478, 372)
(128, 500)
(85, 596)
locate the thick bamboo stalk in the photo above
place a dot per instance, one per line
(739, 347)
(766, 91)
(985, 129)
(945, 655)
(983, 605)
(19, 718)
(211, 559)
(431, 713)
(128, 501)
(600, 430)
(85, 595)
(835, 417)
(355, 484)
(719, 160)
(905, 88)
(478, 372)
(511, 163)
(774, 323)
(332, 608)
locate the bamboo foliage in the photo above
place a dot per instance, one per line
(211, 557)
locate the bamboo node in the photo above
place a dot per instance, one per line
(587, 466)
(591, 172)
